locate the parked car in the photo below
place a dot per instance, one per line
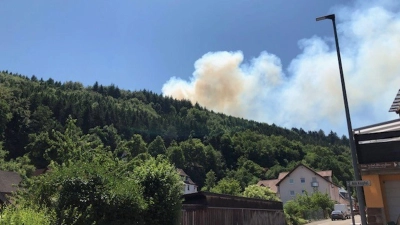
(344, 209)
(337, 215)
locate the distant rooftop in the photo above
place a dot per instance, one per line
(396, 104)
(392, 125)
(269, 183)
(8, 181)
(181, 172)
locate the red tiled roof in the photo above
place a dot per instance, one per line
(269, 183)
(282, 175)
(326, 173)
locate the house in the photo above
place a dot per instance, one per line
(302, 179)
(188, 185)
(378, 159)
(8, 184)
(41, 171)
(271, 184)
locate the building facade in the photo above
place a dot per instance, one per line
(188, 185)
(9, 182)
(303, 179)
(378, 156)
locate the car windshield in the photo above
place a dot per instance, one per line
(336, 212)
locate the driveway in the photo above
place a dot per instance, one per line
(357, 220)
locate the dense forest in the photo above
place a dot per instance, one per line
(113, 153)
(34, 112)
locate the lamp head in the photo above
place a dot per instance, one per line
(331, 17)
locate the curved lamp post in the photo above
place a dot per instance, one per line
(357, 175)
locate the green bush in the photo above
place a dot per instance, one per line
(255, 191)
(83, 193)
(162, 190)
(25, 215)
(296, 209)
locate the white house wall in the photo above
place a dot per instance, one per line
(189, 188)
(285, 187)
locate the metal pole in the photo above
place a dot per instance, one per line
(351, 203)
(360, 196)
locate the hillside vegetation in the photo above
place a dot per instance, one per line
(113, 153)
(34, 112)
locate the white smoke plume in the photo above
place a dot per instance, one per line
(309, 95)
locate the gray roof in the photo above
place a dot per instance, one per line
(395, 107)
(9, 181)
(189, 181)
(181, 172)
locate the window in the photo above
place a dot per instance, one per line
(188, 187)
(302, 180)
(291, 181)
(291, 193)
(303, 191)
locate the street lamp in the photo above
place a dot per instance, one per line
(357, 175)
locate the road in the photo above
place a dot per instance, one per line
(357, 220)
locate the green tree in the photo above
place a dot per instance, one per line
(297, 208)
(36, 148)
(162, 189)
(294, 213)
(132, 148)
(274, 171)
(42, 120)
(16, 132)
(108, 135)
(255, 191)
(322, 201)
(210, 181)
(157, 147)
(5, 115)
(227, 186)
(88, 190)
(21, 165)
(175, 155)
(194, 152)
(227, 149)
(70, 145)
(25, 214)
(214, 161)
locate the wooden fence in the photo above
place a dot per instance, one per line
(205, 208)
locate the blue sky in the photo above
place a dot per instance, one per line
(185, 49)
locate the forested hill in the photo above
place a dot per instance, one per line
(198, 140)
